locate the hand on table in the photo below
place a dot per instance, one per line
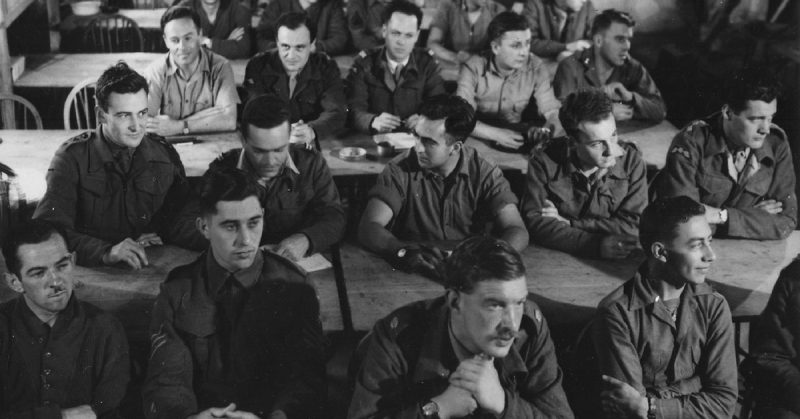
(478, 376)
(507, 138)
(149, 239)
(539, 135)
(614, 246)
(79, 412)
(622, 112)
(462, 56)
(423, 260)
(163, 125)
(302, 133)
(620, 400)
(293, 247)
(549, 210)
(385, 122)
(578, 45)
(127, 251)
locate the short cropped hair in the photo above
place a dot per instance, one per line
(294, 20)
(180, 12)
(752, 83)
(402, 6)
(506, 22)
(264, 111)
(119, 79)
(481, 258)
(586, 105)
(605, 18)
(660, 220)
(28, 232)
(223, 183)
(458, 114)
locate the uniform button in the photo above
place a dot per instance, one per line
(48, 354)
(47, 371)
(41, 340)
(47, 386)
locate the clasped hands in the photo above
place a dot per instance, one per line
(474, 384)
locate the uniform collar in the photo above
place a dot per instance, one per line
(718, 144)
(217, 275)
(462, 167)
(36, 327)
(293, 172)
(642, 294)
(391, 64)
(101, 154)
(202, 66)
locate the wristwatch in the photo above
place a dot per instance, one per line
(651, 407)
(185, 127)
(723, 216)
(430, 410)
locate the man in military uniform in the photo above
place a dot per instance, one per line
(117, 190)
(737, 163)
(664, 339)
(584, 193)
(235, 333)
(386, 85)
(62, 358)
(309, 82)
(439, 191)
(299, 197)
(560, 27)
(364, 19)
(608, 65)
(483, 349)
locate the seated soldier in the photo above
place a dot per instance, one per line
(501, 82)
(386, 85)
(236, 333)
(118, 190)
(191, 89)
(325, 17)
(440, 190)
(460, 27)
(737, 163)
(484, 329)
(299, 197)
(364, 20)
(584, 193)
(62, 358)
(560, 28)
(225, 26)
(309, 82)
(608, 65)
(774, 349)
(664, 339)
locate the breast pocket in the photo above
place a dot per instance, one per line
(714, 189)
(610, 197)
(654, 363)
(286, 212)
(151, 190)
(95, 204)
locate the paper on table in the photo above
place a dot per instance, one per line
(399, 140)
(315, 262)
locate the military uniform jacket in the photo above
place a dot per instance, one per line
(99, 206)
(688, 365)
(578, 72)
(270, 357)
(697, 167)
(612, 206)
(371, 88)
(364, 21)
(409, 358)
(325, 16)
(546, 40)
(318, 97)
(81, 360)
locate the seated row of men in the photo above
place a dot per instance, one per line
(236, 333)
(457, 31)
(193, 90)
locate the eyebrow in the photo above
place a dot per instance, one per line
(36, 268)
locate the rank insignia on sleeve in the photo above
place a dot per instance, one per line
(681, 151)
(537, 315)
(393, 324)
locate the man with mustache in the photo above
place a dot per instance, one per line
(62, 358)
(236, 333)
(481, 350)
(664, 339)
(309, 82)
(439, 191)
(737, 163)
(584, 193)
(608, 65)
(191, 89)
(117, 190)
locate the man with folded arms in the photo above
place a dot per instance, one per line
(560, 28)
(584, 193)
(236, 333)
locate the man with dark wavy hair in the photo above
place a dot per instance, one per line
(440, 190)
(737, 163)
(483, 349)
(117, 190)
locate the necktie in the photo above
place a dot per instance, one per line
(124, 159)
(397, 71)
(567, 23)
(292, 85)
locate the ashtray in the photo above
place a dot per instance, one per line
(385, 149)
(352, 153)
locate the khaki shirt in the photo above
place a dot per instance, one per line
(459, 34)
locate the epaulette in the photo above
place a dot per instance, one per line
(699, 123)
(86, 136)
(362, 54)
(773, 128)
(284, 261)
(630, 144)
(174, 157)
(430, 52)
(400, 321)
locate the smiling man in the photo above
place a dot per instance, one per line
(309, 82)
(117, 190)
(584, 193)
(737, 163)
(439, 191)
(664, 339)
(481, 350)
(62, 358)
(192, 89)
(609, 66)
(386, 85)
(236, 333)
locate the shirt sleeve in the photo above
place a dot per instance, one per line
(265, 31)
(390, 188)
(441, 19)
(112, 380)
(679, 173)
(327, 219)
(546, 101)
(225, 87)
(541, 44)
(495, 191)
(468, 82)
(335, 42)
(359, 29)
(358, 97)
(616, 355)
(647, 100)
(565, 80)
(234, 49)
(175, 219)
(334, 111)
(155, 86)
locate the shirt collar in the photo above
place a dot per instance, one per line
(462, 167)
(36, 327)
(202, 66)
(217, 275)
(244, 164)
(393, 64)
(642, 294)
(718, 143)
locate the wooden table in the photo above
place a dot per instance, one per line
(569, 288)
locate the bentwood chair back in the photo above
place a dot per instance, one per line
(79, 107)
(113, 33)
(25, 114)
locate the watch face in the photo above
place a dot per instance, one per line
(401, 252)
(430, 409)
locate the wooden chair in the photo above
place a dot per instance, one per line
(145, 4)
(746, 399)
(113, 33)
(79, 106)
(25, 114)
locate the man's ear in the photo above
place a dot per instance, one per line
(14, 283)
(453, 298)
(101, 116)
(726, 112)
(659, 251)
(457, 147)
(597, 39)
(202, 226)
